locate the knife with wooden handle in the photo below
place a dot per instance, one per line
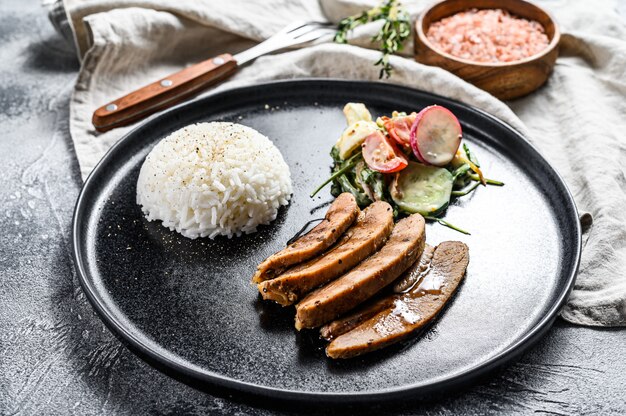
(163, 93)
(193, 79)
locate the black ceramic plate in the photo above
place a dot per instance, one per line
(189, 308)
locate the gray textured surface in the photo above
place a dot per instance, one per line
(56, 357)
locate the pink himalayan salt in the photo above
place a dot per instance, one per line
(488, 35)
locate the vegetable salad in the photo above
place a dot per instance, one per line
(415, 161)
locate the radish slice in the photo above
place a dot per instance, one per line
(435, 135)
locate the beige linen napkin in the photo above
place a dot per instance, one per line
(577, 120)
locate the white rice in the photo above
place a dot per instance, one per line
(211, 179)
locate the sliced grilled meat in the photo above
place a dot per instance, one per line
(341, 215)
(409, 312)
(414, 273)
(340, 326)
(364, 238)
(405, 282)
(403, 248)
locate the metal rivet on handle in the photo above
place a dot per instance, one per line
(111, 107)
(166, 83)
(218, 61)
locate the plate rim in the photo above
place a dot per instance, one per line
(231, 385)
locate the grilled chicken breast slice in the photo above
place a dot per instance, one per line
(342, 213)
(405, 282)
(403, 248)
(365, 237)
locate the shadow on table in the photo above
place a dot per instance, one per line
(52, 54)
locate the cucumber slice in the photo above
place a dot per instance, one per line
(422, 189)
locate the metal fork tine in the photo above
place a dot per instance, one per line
(323, 24)
(294, 34)
(297, 32)
(310, 36)
(290, 28)
(315, 30)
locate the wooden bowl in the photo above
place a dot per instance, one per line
(505, 80)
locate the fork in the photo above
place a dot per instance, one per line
(192, 80)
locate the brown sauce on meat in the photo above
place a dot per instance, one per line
(406, 313)
(416, 272)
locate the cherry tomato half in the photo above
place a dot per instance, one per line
(399, 128)
(382, 154)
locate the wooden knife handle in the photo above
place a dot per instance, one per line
(163, 93)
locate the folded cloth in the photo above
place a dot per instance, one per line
(576, 120)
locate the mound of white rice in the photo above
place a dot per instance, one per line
(211, 179)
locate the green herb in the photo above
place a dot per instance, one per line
(376, 181)
(335, 189)
(472, 158)
(467, 190)
(395, 30)
(494, 182)
(461, 170)
(348, 164)
(334, 153)
(447, 224)
(371, 177)
(362, 200)
(470, 155)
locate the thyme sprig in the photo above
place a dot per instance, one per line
(395, 30)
